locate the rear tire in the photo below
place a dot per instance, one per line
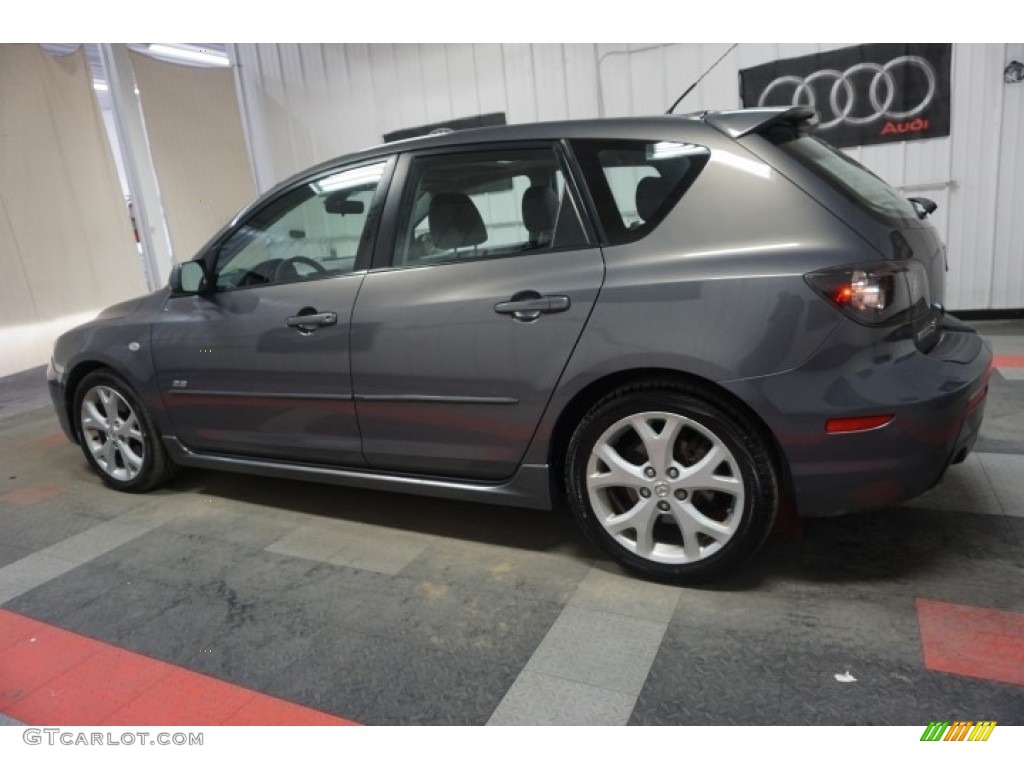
(673, 482)
(117, 434)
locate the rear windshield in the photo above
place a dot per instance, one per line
(850, 178)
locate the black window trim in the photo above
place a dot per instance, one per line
(384, 250)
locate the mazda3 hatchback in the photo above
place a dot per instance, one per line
(675, 325)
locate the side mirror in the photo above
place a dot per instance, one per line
(188, 279)
(923, 206)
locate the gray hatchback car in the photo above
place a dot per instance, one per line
(677, 325)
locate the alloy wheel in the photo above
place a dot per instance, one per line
(665, 487)
(113, 433)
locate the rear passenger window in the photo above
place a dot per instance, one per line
(488, 204)
(636, 183)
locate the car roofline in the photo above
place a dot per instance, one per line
(733, 123)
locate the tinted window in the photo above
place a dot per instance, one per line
(309, 232)
(850, 177)
(636, 183)
(484, 205)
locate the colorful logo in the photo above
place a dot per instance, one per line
(961, 730)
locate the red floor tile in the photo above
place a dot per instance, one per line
(263, 710)
(38, 658)
(50, 441)
(12, 629)
(31, 494)
(973, 642)
(107, 681)
(49, 676)
(1008, 361)
(183, 698)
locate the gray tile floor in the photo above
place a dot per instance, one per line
(393, 609)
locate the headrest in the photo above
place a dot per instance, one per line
(540, 205)
(454, 221)
(650, 194)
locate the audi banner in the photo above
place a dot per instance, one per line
(867, 94)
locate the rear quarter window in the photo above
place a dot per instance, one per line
(635, 184)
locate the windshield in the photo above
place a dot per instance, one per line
(850, 177)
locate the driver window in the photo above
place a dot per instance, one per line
(310, 232)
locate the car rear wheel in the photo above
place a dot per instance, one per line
(117, 435)
(674, 483)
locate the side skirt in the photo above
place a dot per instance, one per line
(529, 487)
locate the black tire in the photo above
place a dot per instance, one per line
(156, 466)
(701, 410)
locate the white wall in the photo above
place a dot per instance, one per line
(306, 103)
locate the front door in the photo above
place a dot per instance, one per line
(259, 365)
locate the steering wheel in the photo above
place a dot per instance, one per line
(279, 271)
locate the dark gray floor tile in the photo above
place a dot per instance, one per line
(249, 527)
(550, 577)
(455, 618)
(121, 610)
(736, 673)
(888, 690)
(58, 599)
(9, 553)
(387, 682)
(38, 526)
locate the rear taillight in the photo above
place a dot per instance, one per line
(876, 293)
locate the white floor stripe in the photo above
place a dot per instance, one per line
(40, 567)
(593, 662)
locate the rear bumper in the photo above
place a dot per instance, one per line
(936, 400)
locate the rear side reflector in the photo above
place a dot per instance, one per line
(857, 424)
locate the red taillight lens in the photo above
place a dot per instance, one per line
(877, 293)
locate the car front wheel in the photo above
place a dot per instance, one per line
(117, 436)
(675, 484)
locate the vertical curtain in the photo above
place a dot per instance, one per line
(195, 137)
(66, 244)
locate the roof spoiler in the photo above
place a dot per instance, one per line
(736, 123)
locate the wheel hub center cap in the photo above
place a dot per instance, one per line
(661, 490)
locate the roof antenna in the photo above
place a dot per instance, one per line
(697, 81)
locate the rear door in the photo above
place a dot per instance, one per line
(474, 305)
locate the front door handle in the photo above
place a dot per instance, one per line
(529, 305)
(309, 321)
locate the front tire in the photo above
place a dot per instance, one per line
(117, 434)
(674, 483)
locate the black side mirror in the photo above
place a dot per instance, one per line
(923, 206)
(188, 279)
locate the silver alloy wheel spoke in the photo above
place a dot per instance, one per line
(113, 433)
(692, 521)
(641, 519)
(620, 472)
(638, 510)
(92, 419)
(132, 428)
(659, 445)
(130, 458)
(701, 476)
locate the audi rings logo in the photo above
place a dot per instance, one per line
(837, 99)
(865, 94)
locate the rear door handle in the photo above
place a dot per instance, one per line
(529, 305)
(308, 323)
